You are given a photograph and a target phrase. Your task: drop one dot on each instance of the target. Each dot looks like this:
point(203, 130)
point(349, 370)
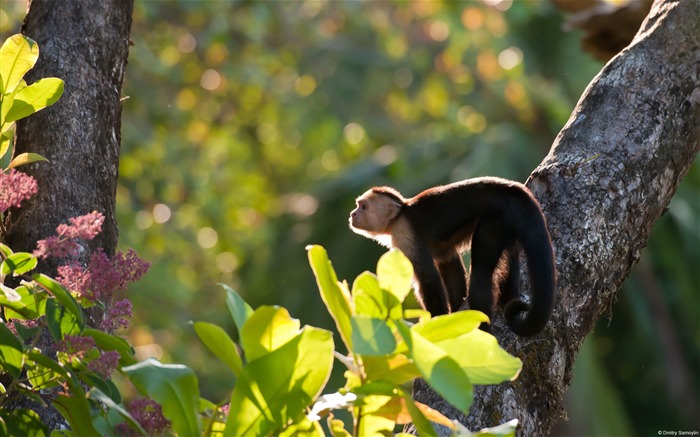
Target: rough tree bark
point(86, 44)
point(607, 179)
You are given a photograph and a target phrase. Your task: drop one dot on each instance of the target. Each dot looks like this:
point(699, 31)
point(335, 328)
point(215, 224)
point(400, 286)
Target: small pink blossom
point(15, 187)
point(63, 244)
point(149, 415)
point(117, 316)
point(103, 276)
point(76, 346)
point(105, 364)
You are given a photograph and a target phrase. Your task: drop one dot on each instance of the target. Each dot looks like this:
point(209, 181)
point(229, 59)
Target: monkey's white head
point(376, 210)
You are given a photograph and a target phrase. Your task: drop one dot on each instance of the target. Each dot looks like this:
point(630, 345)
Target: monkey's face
point(373, 214)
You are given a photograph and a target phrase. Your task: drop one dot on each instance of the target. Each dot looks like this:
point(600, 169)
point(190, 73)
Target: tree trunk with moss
point(86, 44)
point(608, 178)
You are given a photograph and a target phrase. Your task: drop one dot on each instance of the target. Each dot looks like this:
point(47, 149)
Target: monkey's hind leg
point(454, 276)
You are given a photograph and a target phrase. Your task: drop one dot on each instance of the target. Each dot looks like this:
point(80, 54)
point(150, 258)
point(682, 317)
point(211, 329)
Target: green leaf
point(18, 264)
point(42, 377)
point(450, 325)
point(397, 369)
point(22, 423)
point(42, 360)
point(106, 386)
point(220, 344)
point(174, 387)
point(11, 355)
point(29, 306)
point(334, 294)
point(61, 322)
point(481, 358)
point(274, 390)
point(76, 410)
point(439, 369)
point(6, 148)
point(37, 96)
point(371, 336)
point(96, 394)
point(395, 274)
point(369, 299)
point(17, 56)
point(108, 342)
point(503, 430)
point(239, 309)
point(422, 424)
point(266, 330)
point(60, 293)
point(26, 158)
point(5, 250)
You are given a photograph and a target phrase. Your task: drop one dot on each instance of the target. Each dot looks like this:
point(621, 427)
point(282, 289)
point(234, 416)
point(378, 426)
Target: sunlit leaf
point(26, 158)
point(21, 422)
point(37, 96)
point(61, 322)
point(220, 344)
point(60, 293)
point(174, 387)
point(17, 56)
point(266, 330)
point(276, 388)
point(11, 356)
point(239, 309)
point(334, 295)
point(108, 342)
point(18, 264)
point(371, 336)
point(395, 274)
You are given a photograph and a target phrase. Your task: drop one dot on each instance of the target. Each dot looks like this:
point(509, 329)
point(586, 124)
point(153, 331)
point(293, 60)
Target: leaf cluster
point(19, 100)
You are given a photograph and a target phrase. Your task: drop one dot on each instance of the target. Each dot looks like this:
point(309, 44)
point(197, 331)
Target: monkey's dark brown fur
point(496, 217)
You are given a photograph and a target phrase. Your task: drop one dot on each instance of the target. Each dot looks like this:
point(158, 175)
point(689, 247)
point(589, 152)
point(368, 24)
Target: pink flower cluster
point(63, 244)
point(76, 345)
point(149, 415)
point(102, 276)
point(106, 364)
point(15, 187)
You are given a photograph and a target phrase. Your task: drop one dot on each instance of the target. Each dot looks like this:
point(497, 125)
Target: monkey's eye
point(363, 207)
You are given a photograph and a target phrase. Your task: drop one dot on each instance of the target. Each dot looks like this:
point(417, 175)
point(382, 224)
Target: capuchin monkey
point(496, 217)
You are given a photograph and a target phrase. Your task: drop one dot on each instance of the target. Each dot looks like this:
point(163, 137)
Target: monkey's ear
point(394, 208)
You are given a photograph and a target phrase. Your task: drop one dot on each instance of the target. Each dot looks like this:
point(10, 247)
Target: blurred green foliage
point(251, 126)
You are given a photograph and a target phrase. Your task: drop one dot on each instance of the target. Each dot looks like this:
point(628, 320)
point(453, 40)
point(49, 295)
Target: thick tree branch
point(608, 178)
point(86, 44)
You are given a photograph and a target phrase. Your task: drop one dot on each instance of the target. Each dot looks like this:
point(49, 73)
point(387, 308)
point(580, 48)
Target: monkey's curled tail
point(527, 319)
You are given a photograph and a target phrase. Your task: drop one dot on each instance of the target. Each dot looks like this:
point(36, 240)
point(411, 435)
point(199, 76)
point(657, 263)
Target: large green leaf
point(60, 293)
point(481, 358)
point(108, 342)
point(439, 370)
point(220, 344)
point(266, 330)
point(395, 274)
point(29, 306)
point(334, 294)
point(26, 158)
point(60, 321)
point(373, 301)
point(371, 336)
point(397, 369)
point(18, 264)
point(37, 96)
point(174, 387)
point(22, 422)
point(76, 410)
point(239, 309)
point(450, 325)
point(10, 351)
point(17, 56)
point(275, 389)
point(99, 396)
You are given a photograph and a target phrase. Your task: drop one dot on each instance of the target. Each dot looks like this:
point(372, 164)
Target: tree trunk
point(85, 43)
point(608, 178)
